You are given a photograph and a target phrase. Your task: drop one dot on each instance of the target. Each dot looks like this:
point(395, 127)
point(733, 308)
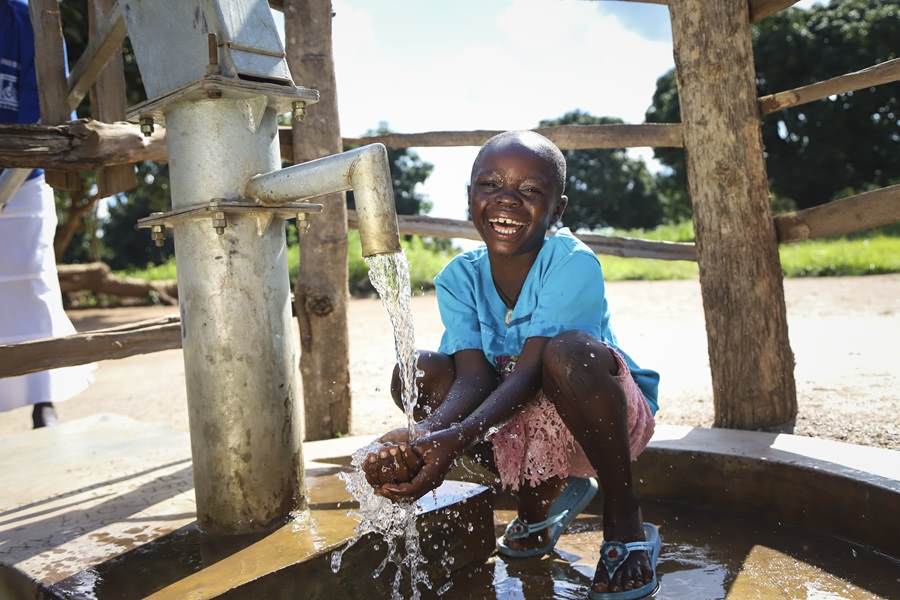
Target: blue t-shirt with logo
point(564, 291)
point(18, 81)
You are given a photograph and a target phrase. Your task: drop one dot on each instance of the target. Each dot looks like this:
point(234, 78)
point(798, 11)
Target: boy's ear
point(561, 205)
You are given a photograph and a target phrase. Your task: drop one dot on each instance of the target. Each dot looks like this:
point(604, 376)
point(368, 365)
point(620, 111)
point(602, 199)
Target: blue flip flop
point(614, 554)
point(570, 502)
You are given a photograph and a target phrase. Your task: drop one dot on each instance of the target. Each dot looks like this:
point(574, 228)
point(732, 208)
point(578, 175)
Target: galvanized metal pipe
point(240, 354)
point(364, 170)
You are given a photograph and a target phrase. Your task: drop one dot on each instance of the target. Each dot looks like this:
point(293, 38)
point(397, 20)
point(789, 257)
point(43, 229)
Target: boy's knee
point(576, 350)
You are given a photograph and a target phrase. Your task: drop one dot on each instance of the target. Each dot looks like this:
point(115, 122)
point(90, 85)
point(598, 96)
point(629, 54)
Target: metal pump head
point(364, 170)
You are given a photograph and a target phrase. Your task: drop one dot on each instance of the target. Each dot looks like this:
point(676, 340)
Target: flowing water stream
point(389, 274)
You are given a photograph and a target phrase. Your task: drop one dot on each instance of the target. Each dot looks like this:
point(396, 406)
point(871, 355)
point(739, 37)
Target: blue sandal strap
point(518, 529)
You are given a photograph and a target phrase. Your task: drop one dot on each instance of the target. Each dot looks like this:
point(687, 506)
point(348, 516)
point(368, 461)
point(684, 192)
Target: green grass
point(855, 255)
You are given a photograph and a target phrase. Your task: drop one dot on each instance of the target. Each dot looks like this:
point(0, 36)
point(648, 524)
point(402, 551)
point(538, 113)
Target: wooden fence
point(86, 144)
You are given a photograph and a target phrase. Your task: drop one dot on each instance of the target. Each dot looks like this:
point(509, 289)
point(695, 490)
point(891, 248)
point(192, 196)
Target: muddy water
point(704, 556)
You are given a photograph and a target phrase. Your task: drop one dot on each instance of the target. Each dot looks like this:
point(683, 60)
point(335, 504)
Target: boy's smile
point(514, 198)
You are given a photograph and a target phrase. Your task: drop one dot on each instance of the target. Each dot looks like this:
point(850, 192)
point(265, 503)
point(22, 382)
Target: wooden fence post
point(740, 274)
point(50, 66)
point(321, 291)
point(108, 104)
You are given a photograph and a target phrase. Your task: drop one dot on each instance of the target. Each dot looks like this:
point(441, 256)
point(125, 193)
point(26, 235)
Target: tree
point(606, 187)
point(829, 148)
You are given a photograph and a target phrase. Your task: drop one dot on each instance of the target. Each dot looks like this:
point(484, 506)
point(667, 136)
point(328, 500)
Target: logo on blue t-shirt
point(9, 98)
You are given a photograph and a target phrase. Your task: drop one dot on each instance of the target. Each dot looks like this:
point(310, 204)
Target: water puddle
point(705, 556)
point(395, 523)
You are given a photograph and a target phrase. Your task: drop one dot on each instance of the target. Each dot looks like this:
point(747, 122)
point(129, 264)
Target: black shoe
point(44, 415)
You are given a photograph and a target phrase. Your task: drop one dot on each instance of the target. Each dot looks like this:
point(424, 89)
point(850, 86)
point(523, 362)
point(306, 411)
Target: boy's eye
point(489, 184)
point(530, 189)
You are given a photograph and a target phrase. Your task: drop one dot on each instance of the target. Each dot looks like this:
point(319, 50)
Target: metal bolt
point(219, 222)
point(299, 110)
point(147, 126)
point(158, 235)
point(302, 223)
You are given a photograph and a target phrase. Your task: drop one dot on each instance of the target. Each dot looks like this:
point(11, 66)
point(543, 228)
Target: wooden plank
point(840, 217)
point(601, 244)
point(84, 348)
point(99, 279)
point(567, 137)
point(740, 274)
point(50, 66)
point(885, 72)
point(104, 46)
point(81, 144)
point(321, 292)
point(760, 9)
point(108, 96)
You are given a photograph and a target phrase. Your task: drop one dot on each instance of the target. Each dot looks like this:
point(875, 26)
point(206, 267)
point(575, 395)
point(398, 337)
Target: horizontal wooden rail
point(78, 145)
point(100, 50)
point(609, 245)
point(840, 217)
point(98, 278)
point(91, 346)
point(879, 74)
point(759, 9)
point(567, 137)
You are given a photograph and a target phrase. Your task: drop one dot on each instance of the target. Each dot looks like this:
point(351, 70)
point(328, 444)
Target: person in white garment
point(30, 299)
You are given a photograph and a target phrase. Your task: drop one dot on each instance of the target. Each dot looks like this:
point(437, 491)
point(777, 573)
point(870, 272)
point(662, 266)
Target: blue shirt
point(564, 291)
point(18, 80)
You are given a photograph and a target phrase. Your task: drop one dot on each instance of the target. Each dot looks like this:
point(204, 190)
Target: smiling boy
point(529, 360)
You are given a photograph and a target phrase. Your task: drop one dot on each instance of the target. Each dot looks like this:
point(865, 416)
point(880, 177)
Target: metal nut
point(219, 222)
point(147, 126)
point(158, 235)
point(302, 223)
point(298, 110)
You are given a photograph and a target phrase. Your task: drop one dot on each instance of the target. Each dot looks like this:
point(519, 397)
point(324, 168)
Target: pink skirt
point(535, 445)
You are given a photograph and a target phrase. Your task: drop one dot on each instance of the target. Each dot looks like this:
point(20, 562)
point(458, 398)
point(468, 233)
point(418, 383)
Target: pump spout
point(364, 170)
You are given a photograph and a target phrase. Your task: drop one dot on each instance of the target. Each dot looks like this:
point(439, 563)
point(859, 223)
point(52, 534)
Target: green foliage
point(127, 247)
point(865, 256)
point(826, 149)
point(606, 187)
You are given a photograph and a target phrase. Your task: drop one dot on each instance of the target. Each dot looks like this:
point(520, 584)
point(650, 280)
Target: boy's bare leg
point(439, 373)
point(534, 506)
point(594, 408)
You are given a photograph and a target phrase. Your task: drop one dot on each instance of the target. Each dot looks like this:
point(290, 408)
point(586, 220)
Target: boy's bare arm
point(475, 380)
point(517, 389)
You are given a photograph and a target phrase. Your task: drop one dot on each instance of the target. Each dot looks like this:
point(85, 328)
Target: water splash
point(393, 522)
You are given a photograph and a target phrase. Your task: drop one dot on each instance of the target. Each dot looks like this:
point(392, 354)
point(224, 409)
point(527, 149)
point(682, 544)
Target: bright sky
point(493, 64)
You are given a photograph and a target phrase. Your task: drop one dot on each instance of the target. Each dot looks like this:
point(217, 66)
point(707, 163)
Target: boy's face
point(514, 197)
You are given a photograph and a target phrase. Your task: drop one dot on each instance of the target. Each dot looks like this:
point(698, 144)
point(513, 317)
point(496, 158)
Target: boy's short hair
point(534, 142)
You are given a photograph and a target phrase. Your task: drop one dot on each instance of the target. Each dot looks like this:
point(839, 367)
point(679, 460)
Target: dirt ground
point(845, 334)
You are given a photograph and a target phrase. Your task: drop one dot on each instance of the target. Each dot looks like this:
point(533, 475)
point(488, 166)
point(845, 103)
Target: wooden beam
point(567, 137)
point(885, 72)
point(103, 46)
point(99, 279)
point(92, 346)
point(320, 292)
point(750, 357)
point(840, 217)
point(50, 66)
point(78, 145)
point(601, 244)
point(109, 102)
point(760, 9)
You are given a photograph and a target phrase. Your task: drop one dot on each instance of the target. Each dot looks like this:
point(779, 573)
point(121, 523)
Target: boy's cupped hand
point(435, 451)
point(391, 463)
